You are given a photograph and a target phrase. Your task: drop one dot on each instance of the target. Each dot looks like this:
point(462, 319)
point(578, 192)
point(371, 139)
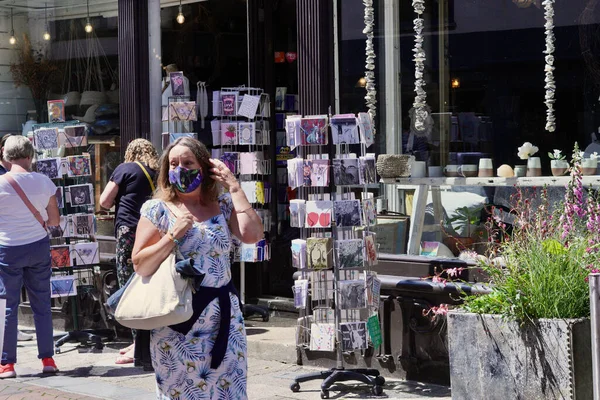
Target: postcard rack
point(336, 248)
point(74, 251)
point(241, 138)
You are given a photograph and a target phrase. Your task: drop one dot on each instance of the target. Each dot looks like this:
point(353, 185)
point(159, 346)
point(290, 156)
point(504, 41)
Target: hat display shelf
point(242, 138)
point(74, 250)
point(331, 255)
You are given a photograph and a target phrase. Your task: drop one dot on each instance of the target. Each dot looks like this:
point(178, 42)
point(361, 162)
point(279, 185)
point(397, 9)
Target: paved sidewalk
point(91, 374)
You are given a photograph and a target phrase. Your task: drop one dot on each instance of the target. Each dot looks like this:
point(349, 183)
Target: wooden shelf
point(593, 180)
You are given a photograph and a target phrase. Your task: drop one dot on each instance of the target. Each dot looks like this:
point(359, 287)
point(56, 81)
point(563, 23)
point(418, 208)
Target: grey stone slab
point(496, 358)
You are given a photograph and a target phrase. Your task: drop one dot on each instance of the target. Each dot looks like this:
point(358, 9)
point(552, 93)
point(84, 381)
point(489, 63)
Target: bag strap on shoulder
point(25, 200)
point(147, 175)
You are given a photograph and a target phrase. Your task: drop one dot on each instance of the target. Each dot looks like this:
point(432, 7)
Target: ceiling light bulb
point(88, 26)
point(12, 39)
point(180, 17)
point(46, 36)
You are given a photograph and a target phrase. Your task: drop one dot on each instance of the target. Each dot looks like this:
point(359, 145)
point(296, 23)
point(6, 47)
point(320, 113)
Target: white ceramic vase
point(559, 167)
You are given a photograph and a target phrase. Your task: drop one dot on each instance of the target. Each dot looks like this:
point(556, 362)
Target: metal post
point(594, 280)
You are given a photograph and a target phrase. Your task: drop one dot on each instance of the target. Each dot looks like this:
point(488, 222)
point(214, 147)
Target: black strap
point(201, 299)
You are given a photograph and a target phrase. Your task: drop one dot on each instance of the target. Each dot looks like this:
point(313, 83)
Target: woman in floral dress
point(205, 357)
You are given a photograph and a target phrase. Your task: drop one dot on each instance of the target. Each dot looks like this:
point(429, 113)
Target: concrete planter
point(494, 358)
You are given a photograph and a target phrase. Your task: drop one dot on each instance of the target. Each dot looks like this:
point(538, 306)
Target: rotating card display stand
point(335, 246)
point(241, 129)
point(74, 251)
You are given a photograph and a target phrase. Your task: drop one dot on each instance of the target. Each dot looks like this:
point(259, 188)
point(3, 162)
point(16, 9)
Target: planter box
point(494, 358)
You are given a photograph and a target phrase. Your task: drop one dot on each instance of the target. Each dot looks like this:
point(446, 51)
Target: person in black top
point(131, 184)
point(4, 165)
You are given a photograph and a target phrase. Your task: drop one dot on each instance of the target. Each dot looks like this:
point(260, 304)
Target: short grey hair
point(17, 148)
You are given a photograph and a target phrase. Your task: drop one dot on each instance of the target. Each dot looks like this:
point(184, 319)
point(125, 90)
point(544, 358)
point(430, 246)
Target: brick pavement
point(18, 390)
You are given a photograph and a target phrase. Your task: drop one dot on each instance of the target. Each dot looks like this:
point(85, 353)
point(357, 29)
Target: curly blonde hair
point(143, 151)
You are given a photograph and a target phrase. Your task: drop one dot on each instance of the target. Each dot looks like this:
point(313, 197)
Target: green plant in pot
point(532, 329)
point(464, 223)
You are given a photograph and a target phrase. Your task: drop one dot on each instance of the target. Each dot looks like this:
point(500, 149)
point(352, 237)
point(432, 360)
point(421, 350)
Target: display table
point(423, 185)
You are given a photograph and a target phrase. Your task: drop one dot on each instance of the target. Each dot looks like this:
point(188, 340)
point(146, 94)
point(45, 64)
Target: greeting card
point(177, 85)
point(321, 283)
point(231, 160)
point(345, 171)
point(373, 290)
point(60, 256)
point(280, 97)
point(252, 163)
point(319, 252)
point(303, 330)
point(247, 133)
point(51, 167)
point(56, 111)
point(85, 254)
point(174, 136)
point(215, 128)
point(63, 286)
point(367, 169)
point(323, 315)
point(300, 289)
point(229, 136)
point(249, 188)
point(249, 106)
point(73, 136)
point(320, 173)
point(293, 131)
point(318, 214)
point(352, 294)
point(45, 138)
point(299, 253)
point(313, 130)
point(369, 212)
point(365, 124)
point(260, 192)
point(344, 129)
point(297, 213)
point(370, 250)
point(307, 173)
point(354, 335)
point(80, 195)
point(229, 100)
point(350, 253)
point(217, 105)
point(347, 213)
point(295, 168)
point(322, 337)
point(79, 166)
point(374, 328)
point(59, 197)
point(83, 225)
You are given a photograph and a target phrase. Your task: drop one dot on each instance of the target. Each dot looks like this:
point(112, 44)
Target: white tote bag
point(162, 299)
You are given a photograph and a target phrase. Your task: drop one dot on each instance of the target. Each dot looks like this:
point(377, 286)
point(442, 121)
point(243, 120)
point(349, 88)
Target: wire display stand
point(340, 297)
point(74, 250)
point(241, 129)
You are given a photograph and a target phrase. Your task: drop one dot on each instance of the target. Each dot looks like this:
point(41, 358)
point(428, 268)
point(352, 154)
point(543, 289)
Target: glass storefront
point(484, 79)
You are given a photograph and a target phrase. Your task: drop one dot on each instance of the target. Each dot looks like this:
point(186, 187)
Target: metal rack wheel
point(324, 394)
point(295, 387)
point(377, 390)
point(380, 380)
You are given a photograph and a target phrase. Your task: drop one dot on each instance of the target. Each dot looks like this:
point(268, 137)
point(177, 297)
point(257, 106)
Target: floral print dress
point(182, 363)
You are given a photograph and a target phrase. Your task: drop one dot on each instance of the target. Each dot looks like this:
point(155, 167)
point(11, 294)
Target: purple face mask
point(185, 180)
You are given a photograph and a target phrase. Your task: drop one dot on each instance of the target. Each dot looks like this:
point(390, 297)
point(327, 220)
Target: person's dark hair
point(208, 189)
point(2, 141)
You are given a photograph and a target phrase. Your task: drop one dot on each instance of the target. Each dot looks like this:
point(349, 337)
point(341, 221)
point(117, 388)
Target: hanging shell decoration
point(371, 96)
point(549, 68)
point(420, 103)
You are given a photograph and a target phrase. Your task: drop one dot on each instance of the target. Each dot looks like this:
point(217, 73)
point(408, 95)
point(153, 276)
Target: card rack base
point(334, 375)
point(86, 337)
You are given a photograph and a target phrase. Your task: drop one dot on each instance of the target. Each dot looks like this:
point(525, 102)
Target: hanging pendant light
point(12, 39)
point(180, 17)
point(88, 26)
point(46, 33)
